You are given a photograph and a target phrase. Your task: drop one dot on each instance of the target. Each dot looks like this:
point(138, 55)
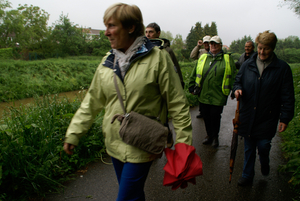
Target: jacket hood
point(166, 42)
point(143, 50)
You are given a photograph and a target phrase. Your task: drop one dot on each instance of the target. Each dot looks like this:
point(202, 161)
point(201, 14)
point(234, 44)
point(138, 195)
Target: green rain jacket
point(212, 93)
point(149, 84)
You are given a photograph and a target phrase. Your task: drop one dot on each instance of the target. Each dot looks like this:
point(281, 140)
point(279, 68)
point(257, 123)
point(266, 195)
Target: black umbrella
point(234, 141)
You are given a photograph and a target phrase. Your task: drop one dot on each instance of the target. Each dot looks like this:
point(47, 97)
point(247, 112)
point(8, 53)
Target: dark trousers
point(199, 108)
point(212, 119)
point(263, 147)
point(131, 178)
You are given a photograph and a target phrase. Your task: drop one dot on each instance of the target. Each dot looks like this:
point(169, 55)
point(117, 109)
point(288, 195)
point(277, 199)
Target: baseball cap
point(216, 39)
point(206, 39)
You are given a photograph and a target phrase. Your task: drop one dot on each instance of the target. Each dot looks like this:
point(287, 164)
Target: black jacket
point(265, 98)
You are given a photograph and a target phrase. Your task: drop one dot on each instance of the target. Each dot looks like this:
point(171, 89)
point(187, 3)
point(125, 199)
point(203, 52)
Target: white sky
point(234, 18)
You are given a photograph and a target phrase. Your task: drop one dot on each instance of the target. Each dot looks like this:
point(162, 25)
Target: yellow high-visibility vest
point(226, 78)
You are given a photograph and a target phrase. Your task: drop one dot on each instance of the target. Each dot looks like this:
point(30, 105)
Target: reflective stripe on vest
point(199, 70)
point(227, 75)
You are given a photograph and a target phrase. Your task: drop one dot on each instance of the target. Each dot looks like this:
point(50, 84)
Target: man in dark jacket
point(264, 86)
point(153, 32)
point(249, 50)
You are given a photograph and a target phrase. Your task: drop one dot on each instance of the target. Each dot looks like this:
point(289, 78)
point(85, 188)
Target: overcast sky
point(234, 18)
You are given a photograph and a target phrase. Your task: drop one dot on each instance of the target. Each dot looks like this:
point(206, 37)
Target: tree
point(34, 26)
point(293, 5)
point(10, 28)
point(69, 39)
point(213, 29)
point(238, 46)
point(177, 46)
point(26, 26)
point(197, 33)
point(5, 24)
point(206, 30)
point(100, 45)
point(167, 35)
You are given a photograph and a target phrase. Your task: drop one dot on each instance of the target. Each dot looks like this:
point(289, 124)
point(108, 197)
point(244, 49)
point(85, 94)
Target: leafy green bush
point(32, 159)
point(291, 143)
point(289, 55)
point(186, 69)
point(235, 56)
point(6, 53)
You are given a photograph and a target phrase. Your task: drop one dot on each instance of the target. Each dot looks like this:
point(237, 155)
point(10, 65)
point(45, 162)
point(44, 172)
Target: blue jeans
point(263, 147)
point(131, 178)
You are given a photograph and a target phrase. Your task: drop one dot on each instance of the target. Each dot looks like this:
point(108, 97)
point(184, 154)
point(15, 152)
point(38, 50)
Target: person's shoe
point(207, 140)
point(245, 182)
point(170, 140)
point(215, 142)
point(199, 116)
point(265, 170)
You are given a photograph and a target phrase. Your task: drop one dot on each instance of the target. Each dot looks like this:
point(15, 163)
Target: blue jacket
point(265, 99)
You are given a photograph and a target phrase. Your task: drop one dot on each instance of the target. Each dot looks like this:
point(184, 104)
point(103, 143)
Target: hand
point(238, 94)
point(200, 43)
point(282, 127)
point(68, 148)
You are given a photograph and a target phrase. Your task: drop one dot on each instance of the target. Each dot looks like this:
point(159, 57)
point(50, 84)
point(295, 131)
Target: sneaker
point(199, 116)
point(245, 182)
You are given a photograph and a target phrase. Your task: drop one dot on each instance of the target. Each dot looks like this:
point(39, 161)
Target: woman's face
point(118, 36)
point(264, 51)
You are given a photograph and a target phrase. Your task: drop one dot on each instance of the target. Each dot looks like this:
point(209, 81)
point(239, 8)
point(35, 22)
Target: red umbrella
point(182, 167)
point(234, 141)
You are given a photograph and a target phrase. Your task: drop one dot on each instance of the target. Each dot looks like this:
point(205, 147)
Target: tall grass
point(32, 160)
point(291, 137)
point(24, 79)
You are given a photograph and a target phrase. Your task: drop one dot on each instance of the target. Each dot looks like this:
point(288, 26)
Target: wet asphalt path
point(100, 183)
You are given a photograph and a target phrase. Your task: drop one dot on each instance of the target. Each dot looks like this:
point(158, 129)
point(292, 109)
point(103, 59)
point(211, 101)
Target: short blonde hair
point(128, 15)
point(267, 38)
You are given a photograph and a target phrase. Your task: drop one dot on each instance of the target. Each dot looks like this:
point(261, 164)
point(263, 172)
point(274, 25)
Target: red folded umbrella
point(182, 167)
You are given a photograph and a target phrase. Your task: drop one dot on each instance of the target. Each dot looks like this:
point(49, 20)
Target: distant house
point(225, 46)
point(91, 32)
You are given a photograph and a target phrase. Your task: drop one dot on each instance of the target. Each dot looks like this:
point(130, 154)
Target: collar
point(143, 50)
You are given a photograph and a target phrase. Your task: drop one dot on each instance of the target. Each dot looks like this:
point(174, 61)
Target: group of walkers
point(150, 83)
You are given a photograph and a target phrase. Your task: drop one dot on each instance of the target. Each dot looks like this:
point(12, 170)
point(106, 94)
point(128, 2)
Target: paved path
point(100, 183)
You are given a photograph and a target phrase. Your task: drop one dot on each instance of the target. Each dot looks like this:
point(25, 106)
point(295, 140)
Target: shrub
point(31, 145)
point(291, 136)
point(186, 69)
point(6, 53)
point(235, 56)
